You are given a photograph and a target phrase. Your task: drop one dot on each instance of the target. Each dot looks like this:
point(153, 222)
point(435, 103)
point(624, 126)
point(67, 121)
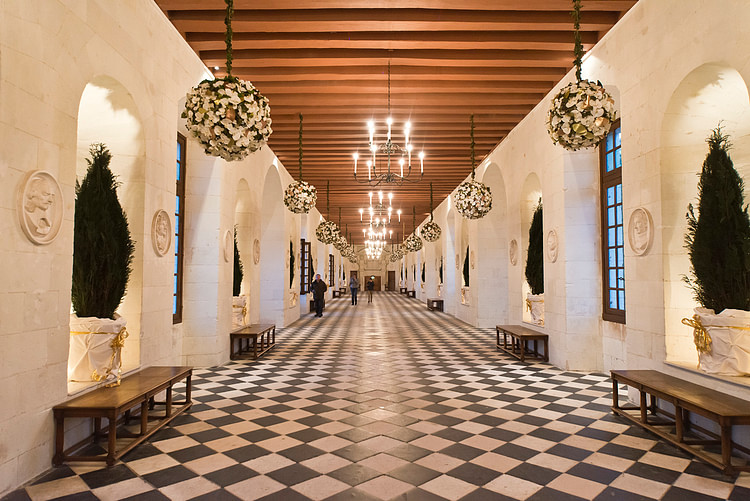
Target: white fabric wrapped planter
point(535, 304)
point(96, 349)
point(726, 348)
point(239, 311)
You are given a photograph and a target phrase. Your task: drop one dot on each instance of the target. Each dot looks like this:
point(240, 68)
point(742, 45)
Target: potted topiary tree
point(102, 258)
point(239, 302)
point(535, 267)
point(423, 277)
point(718, 243)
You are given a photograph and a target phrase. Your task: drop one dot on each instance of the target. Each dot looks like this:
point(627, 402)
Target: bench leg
point(679, 429)
point(644, 418)
point(615, 396)
point(726, 445)
point(255, 347)
point(188, 389)
point(144, 417)
point(58, 458)
point(112, 442)
point(169, 401)
point(522, 346)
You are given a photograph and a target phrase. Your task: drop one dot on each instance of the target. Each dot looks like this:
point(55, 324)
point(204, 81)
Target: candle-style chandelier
point(380, 215)
point(374, 242)
point(381, 171)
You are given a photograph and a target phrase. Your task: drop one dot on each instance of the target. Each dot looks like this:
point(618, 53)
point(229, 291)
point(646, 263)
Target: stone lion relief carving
point(40, 207)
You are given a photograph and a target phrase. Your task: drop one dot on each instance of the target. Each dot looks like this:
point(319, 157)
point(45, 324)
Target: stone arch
point(108, 113)
point(492, 255)
point(531, 193)
point(273, 250)
point(247, 224)
point(709, 94)
point(451, 248)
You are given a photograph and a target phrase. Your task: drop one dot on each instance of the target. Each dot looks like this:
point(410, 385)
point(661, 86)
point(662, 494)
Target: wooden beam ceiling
point(328, 59)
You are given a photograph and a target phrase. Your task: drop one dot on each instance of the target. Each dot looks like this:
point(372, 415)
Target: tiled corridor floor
point(390, 401)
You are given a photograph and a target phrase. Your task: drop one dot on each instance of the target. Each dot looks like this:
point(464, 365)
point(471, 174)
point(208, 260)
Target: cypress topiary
point(535, 255)
point(718, 238)
point(441, 269)
point(102, 247)
point(466, 268)
point(422, 272)
point(238, 270)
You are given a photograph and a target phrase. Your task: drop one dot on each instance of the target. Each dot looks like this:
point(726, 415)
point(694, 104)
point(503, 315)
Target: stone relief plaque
point(552, 246)
point(161, 232)
point(228, 245)
point(40, 207)
point(256, 251)
point(513, 252)
point(640, 231)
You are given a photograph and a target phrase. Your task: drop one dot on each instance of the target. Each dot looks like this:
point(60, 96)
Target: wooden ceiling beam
point(401, 86)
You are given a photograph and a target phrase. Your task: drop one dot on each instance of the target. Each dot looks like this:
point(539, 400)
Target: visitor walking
point(319, 289)
point(354, 286)
point(370, 288)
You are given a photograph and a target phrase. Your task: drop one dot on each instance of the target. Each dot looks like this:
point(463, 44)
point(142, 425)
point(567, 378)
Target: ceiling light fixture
point(379, 172)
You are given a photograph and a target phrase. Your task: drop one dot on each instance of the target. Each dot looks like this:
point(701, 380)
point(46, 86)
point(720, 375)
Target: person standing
point(354, 287)
point(319, 289)
point(370, 288)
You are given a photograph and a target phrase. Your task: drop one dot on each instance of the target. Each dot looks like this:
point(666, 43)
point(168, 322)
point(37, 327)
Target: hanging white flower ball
point(340, 243)
point(430, 231)
point(327, 232)
point(413, 243)
point(473, 199)
point(300, 197)
point(229, 117)
point(581, 115)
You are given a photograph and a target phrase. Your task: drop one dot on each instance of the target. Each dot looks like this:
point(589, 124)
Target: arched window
point(613, 234)
point(179, 229)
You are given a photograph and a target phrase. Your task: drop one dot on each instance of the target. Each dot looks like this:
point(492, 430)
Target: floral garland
point(327, 232)
point(413, 243)
point(228, 116)
point(581, 115)
point(397, 254)
point(430, 231)
point(300, 197)
point(473, 199)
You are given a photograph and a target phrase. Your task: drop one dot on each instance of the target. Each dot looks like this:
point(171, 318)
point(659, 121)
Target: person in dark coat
point(370, 288)
point(319, 289)
point(354, 286)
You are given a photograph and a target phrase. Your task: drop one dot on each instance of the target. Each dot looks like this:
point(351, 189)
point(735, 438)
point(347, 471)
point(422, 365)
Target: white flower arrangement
point(430, 231)
point(397, 253)
point(340, 243)
point(327, 232)
point(581, 115)
point(300, 197)
point(413, 243)
point(473, 199)
point(228, 116)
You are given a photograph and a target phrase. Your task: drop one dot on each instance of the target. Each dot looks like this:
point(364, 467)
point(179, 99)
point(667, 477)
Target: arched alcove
point(710, 94)
point(107, 113)
point(531, 194)
point(247, 224)
point(492, 255)
point(273, 250)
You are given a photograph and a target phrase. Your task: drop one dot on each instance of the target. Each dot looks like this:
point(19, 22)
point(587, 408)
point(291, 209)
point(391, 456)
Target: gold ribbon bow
point(528, 305)
point(117, 343)
point(701, 338)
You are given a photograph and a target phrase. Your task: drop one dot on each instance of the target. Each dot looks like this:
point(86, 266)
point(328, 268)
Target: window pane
point(611, 216)
point(620, 241)
point(176, 244)
point(610, 237)
point(174, 305)
point(619, 214)
point(621, 277)
point(618, 139)
point(613, 299)
point(612, 278)
point(618, 191)
point(177, 205)
point(175, 283)
point(175, 266)
point(610, 196)
point(618, 158)
point(622, 300)
point(612, 258)
point(610, 162)
point(620, 256)
point(609, 142)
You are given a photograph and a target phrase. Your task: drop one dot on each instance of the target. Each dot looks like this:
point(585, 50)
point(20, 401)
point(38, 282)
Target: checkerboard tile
point(390, 401)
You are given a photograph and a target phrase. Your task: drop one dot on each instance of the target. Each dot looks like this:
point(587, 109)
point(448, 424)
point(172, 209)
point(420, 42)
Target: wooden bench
point(136, 392)
point(725, 410)
point(402, 290)
point(520, 337)
point(411, 293)
point(336, 293)
point(435, 303)
point(266, 333)
point(343, 290)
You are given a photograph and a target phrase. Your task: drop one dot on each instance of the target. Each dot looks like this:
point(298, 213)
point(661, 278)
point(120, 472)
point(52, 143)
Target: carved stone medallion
point(40, 207)
point(640, 231)
point(552, 246)
point(256, 251)
point(228, 245)
point(513, 252)
point(161, 232)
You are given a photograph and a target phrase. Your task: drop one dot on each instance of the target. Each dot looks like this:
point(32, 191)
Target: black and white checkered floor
point(390, 401)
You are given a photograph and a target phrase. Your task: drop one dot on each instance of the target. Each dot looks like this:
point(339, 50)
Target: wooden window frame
point(179, 230)
point(608, 180)
point(331, 270)
point(305, 266)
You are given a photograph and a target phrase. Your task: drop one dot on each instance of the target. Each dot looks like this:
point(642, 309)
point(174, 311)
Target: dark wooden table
point(685, 397)
point(265, 333)
point(136, 391)
point(411, 293)
point(435, 303)
point(520, 337)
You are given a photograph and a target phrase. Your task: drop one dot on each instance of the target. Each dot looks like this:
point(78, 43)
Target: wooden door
point(391, 280)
